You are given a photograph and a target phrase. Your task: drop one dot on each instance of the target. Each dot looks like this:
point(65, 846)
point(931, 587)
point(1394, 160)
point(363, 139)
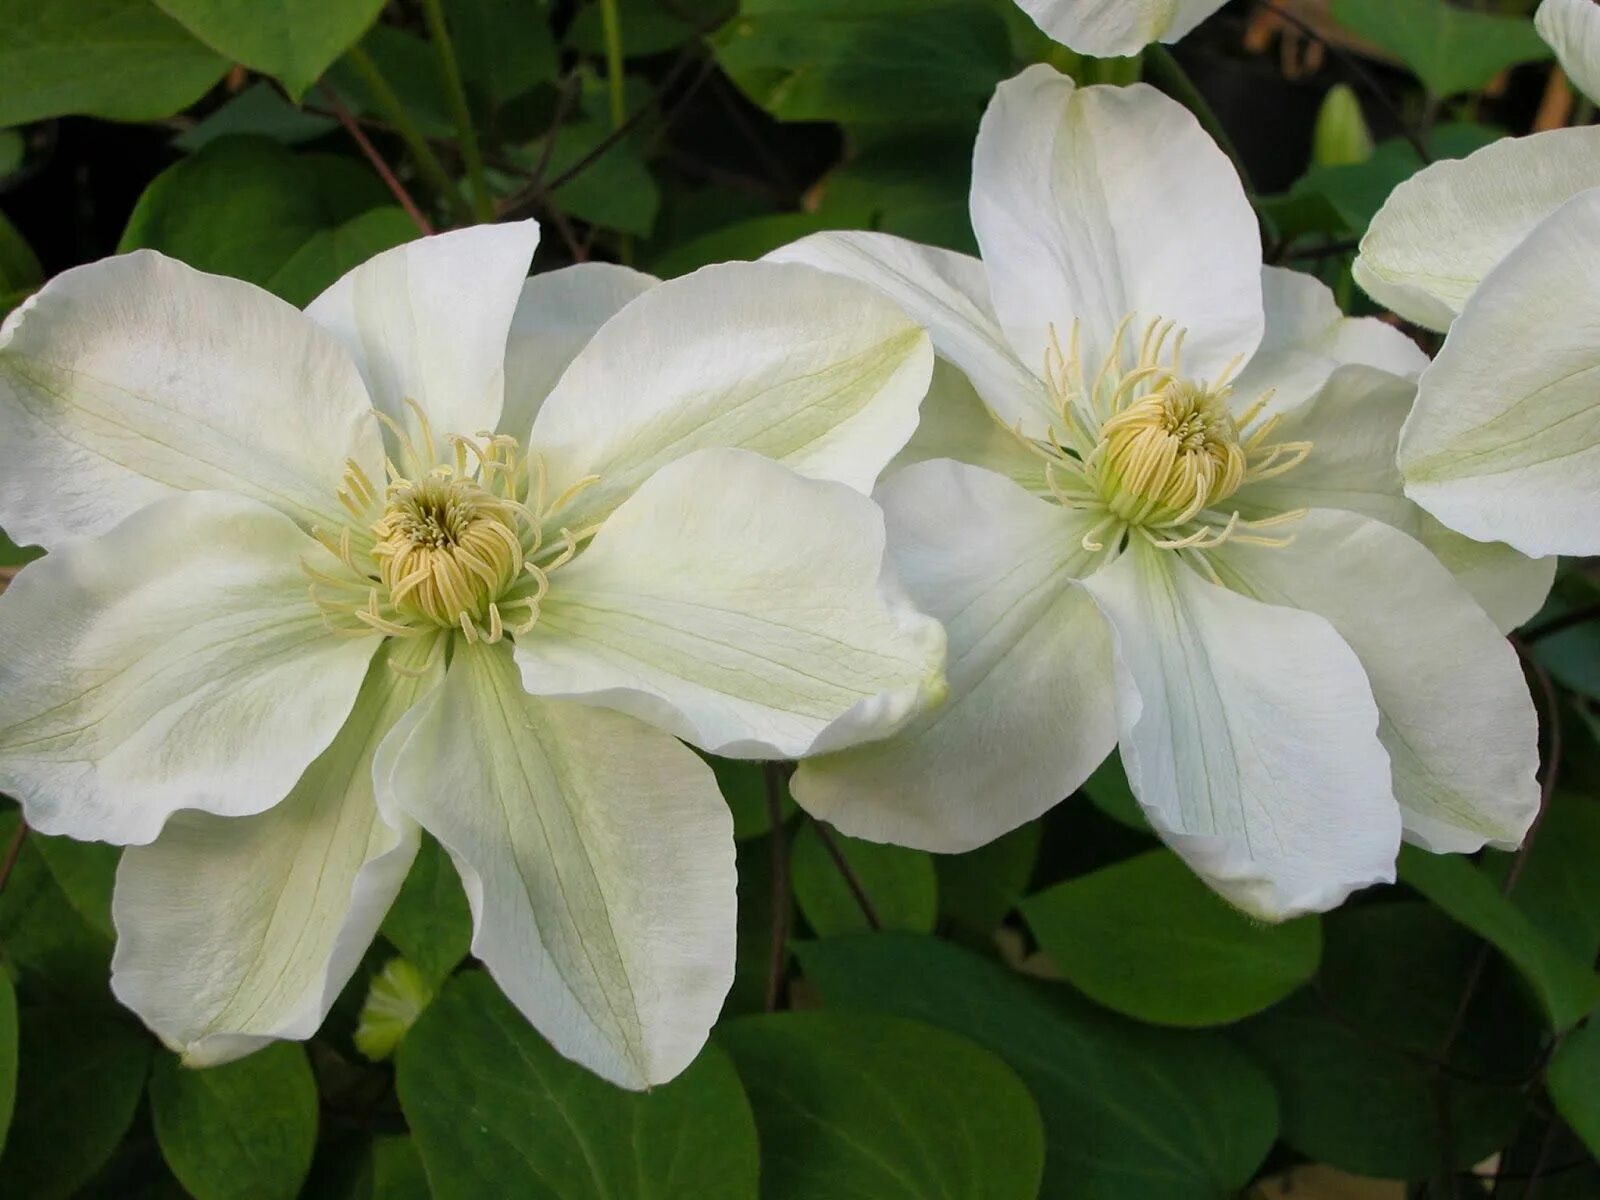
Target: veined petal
point(234, 931)
point(741, 607)
point(1439, 233)
point(1096, 204)
point(597, 856)
point(1308, 338)
point(1353, 425)
point(557, 315)
point(1572, 28)
point(1249, 734)
point(137, 377)
point(1503, 443)
point(427, 321)
point(1454, 710)
point(807, 368)
point(957, 424)
point(176, 662)
point(1115, 28)
point(1032, 708)
point(948, 293)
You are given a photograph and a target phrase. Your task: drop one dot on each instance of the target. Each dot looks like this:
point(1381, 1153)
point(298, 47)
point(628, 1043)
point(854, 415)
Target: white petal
point(176, 662)
point(136, 377)
point(1572, 27)
point(948, 293)
point(1507, 584)
point(1249, 734)
point(1116, 28)
point(557, 315)
point(1308, 338)
point(808, 368)
point(597, 856)
point(1441, 231)
point(427, 321)
point(1093, 204)
point(742, 607)
point(1455, 714)
point(1504, 441)
point(1032, 708)
point(234, 931)
point(957, 424)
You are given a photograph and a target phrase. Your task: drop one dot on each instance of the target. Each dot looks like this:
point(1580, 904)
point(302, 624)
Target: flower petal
point(1439, 233)
point(597, 856)
point(428, 320)
point(1249, 734)
point(557, 315)
point(957, 424)
point(1454, 710)
point(1353, 425)
point(136, 377)
point(1117, 28)
point(811, 369)
point(1572, 28)
point(1032, 708)
point(1504, 441)
point(1307, 338)
point(1094, 204)
point(177, 662)
point(741, 607)
point(948, 293)
point(234, 931)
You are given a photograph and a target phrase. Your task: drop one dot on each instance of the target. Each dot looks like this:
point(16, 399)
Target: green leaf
point(241, 1131)
point(248, 207)
point(259, 109)
point(495, 1111)
point(1130, 1112)
point(504, 47)
point(977, 889)
point(59, 951)
point(866, 60)
point(614, 190)
point(741, 241)
point(120, 59)
point(899, 884)
point(1574, 1083)
point(1450, 48)
point(80, 1073)
point(1108, 789)
point(913, 186)
point(429, 921)
point(85, 872)
point(397, 1172)
point(12, 151)
point(294, 41)
point(1566, 987)
point(20, 272)
point(410, 67)
point(1556, 886)
point(1147, 938)
point(863, 1105)
point(8, 1054)
point(648, 26)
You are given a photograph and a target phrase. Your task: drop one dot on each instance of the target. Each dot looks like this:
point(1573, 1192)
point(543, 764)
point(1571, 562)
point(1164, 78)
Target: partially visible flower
point(1112, 28)
point(1501, 249)
point(1183, 531)
point(396, 997)
point(457, 549)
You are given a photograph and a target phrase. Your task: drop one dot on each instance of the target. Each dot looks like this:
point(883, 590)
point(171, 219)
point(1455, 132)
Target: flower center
point(1156, 453)
point(455, 541)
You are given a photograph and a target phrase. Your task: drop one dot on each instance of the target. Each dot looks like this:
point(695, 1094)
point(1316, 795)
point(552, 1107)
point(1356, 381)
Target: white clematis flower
point(1504, 443)
point(1111, 28)
point(268, 644)
point(1188, 537)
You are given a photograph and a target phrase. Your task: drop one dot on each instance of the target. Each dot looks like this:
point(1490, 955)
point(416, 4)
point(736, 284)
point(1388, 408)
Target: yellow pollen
point(446, 548)
point(1170, 455)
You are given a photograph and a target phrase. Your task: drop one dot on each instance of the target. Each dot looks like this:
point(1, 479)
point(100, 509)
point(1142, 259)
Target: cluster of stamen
point(1156, 454)
point(452, 542)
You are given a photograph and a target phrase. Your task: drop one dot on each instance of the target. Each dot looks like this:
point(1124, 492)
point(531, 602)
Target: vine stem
point(772, 777)
point(460, 109)
point(13, 851)
point(395, 112)
point(851, 879)
point(611, 21)
point(390, 180)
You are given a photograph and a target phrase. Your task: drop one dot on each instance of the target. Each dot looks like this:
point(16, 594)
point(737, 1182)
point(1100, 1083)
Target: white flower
point(1501, 249)
point(1109, 28)
point(261, 656)
point(1190, 538)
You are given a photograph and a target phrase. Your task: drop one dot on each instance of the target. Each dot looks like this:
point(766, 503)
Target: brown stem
point(342, 115)
point(851, 879)
point(772, 776)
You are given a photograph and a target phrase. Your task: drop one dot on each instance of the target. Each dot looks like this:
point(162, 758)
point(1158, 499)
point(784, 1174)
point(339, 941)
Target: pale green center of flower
point(1155, 453)
point(454, 541)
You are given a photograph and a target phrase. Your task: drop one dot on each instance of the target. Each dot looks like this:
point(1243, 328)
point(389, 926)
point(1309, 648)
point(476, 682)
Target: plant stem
point(460, 110)
point(13, 850)
point(611, 20)
point(342, 114)
point(848, 874)
point(395, 113)
point(772, 776)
